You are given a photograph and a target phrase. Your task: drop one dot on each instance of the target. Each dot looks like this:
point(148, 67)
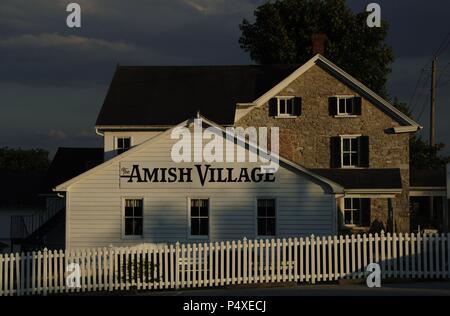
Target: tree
point(23, 160)
point(281, 34)
point(22, 173)
point(422, 155)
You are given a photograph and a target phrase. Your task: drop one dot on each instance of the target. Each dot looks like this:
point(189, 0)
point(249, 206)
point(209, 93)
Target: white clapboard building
point(143, 196)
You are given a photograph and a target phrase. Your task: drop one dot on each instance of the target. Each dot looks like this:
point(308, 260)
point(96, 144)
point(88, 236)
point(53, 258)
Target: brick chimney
point(318, 43)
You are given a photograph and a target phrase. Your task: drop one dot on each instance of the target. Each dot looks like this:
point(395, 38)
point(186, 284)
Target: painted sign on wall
point(132, 174)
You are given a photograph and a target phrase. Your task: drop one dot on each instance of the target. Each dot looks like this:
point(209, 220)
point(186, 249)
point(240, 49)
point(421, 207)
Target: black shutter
point(297, 110)
point(273, 107)
point(364, 151)
point(365, 213)
point(332, 106)
point(357, 105)
point(335, 152)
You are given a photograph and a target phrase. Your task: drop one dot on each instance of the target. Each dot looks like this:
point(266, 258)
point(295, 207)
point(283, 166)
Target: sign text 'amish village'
point(205, 173)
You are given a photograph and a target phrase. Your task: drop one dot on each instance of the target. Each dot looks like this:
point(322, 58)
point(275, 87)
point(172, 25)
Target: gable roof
point(166, 95)
point(352, 82)
point(162, 96)
point(64, 186)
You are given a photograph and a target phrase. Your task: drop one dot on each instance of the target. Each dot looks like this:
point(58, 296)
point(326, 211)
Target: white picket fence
point(311, 260)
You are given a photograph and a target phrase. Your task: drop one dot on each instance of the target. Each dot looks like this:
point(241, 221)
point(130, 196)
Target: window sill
point(132, 237)
point(286, 117)
point(346, 116)
point(356, 227)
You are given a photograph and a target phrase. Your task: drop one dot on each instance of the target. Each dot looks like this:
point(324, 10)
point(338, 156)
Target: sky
point(53, 79)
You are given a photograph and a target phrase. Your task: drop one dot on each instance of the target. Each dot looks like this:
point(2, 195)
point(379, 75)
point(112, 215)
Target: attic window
point(123, 144)
point(285, 106)
point(345, 106)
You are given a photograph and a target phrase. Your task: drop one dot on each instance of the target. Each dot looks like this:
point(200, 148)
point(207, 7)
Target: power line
point(443, 72)
point(424, 106)
point(417, 101)
point(445, 83)
point(415, 90)
point(443, 46)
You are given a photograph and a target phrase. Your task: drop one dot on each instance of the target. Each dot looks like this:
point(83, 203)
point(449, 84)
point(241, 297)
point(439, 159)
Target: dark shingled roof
point(427, 178)
point(71, 162)
point(167, 95)
point(363, 178)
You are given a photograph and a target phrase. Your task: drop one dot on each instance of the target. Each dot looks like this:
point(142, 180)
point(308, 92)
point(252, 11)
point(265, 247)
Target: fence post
point(1, 274)
point(177, 265)
point(19, 273)
point(407, 257)
point(111, 269)
point(313, 259)
point(45, 277)
point(383, 254)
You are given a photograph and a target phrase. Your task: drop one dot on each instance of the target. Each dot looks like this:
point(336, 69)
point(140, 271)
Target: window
point(266, 219)
point(199, 214)
point(356, 212)
point(285, 106)
point(345, 106)
point(133, 217)
point(350, 151)
point(352, 211)
point(123, 144)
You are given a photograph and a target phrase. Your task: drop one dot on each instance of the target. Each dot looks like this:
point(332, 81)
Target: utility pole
point(432, 123)
point(433, 105)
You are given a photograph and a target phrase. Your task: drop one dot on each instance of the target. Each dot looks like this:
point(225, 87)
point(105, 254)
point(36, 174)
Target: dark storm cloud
point(53, 79)
point(38, 48)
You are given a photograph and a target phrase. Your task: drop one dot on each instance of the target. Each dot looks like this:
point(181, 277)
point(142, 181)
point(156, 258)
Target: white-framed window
point(266, 217)
point(286, 106)
point(352, 211)
point(199, 217)
point(122, 144)
point(345, 105)
point(350, 151)
point(133, 217)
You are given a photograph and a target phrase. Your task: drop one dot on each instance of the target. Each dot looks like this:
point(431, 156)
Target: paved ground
point(397, 289)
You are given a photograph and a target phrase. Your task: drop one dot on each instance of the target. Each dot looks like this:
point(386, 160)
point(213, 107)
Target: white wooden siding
point(304, 206)
point(137, 137)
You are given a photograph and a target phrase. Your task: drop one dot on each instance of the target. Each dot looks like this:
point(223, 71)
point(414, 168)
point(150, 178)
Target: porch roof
point(427, 178)
point(371, 179)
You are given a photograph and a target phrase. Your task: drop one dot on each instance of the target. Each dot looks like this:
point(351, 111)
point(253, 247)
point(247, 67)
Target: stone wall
point(306, 139)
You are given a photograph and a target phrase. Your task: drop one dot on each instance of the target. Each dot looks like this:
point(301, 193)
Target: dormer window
point(285, 106)
point(345, 106)
point(123, 144)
